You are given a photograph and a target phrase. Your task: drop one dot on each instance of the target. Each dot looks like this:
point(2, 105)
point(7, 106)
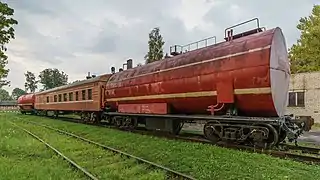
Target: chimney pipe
point(129, 63)
point(88, 77)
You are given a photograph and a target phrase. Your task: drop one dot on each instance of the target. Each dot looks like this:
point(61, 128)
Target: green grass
point(198, 160)
point(23, 157)
point(102, 163)
point(316, 126)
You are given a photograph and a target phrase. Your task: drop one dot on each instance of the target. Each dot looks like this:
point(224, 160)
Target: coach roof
point(86, 81)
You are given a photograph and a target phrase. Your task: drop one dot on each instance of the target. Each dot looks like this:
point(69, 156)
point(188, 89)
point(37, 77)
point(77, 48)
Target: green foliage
point(305, 55)
point(31, 82)
point(17, 92)
point(75, 81)
point(4, 95)
point(6, 34)
point(51, 78)
point(156, 43)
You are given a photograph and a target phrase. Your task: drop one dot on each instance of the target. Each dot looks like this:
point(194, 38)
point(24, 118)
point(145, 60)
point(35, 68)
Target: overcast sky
point(81, 36)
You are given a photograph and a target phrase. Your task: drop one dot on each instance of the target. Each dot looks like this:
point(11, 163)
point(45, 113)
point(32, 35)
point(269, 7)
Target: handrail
point(197, 42)
point(245, 22)
point(179, 48)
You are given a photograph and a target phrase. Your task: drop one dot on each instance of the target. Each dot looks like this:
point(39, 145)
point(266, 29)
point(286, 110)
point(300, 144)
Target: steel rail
point(74, 164)
point(176, 173)
point(304, 149)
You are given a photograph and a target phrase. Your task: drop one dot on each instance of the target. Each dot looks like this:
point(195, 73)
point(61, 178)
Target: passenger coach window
point(60, 97)
point(77, 96)
point(83, 94)
point(65, 97)
point(47, 99)
point(55, 98)
point(89, 94)
point(71, 96)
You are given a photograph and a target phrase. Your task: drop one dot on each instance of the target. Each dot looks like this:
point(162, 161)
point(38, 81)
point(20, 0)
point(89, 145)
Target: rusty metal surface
point(250, 70)
point(152, 108)
point(26, 99)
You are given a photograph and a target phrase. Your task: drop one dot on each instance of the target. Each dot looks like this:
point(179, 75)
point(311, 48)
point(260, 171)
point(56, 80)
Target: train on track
point(238, 87)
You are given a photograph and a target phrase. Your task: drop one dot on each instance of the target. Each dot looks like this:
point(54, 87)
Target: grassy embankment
point(101, 163)
point(198, 160)
point(23, 157)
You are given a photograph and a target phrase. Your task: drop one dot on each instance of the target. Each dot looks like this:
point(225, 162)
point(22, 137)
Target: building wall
point(304, 95)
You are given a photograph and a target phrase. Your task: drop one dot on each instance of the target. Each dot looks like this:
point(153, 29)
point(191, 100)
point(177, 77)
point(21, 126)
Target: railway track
point(72, 163)
point(313, 156)
point(171, 174)
point(303, 149)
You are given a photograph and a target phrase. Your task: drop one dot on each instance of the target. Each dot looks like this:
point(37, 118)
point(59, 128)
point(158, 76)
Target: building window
point(47, 99)
point(71, 96)
point(296, 99)
point(89, 94)
point(60, 97)
point(83, 94)
point(77, 96)
point(55, 98)
point(65, 98)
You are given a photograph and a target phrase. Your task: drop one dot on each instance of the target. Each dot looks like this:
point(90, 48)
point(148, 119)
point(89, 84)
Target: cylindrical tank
point(252, 72)
point(27, 99)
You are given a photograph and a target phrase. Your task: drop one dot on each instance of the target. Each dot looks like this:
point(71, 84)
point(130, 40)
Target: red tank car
point(239, 88)
point(250, 73)
point(26, 103)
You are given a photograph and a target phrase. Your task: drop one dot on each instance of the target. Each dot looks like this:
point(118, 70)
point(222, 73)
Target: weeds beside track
point(24, 158)
point(203, 161)
point(170, 174)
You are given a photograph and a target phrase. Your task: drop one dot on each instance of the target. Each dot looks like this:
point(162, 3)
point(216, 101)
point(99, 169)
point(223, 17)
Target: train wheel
point(93, 117)
point(129, 123)
point(82, 116)
point(118, 121)
point(211, 131)
point(273, 136)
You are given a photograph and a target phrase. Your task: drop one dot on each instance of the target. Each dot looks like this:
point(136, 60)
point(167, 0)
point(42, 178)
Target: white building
point(304, 95)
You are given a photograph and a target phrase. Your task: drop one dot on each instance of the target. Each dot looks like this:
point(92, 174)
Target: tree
point(6, 34)
point(31, 82)
point(156, 43)
point(51, 78)
point(4, 95)
point(74, 81)
point(17, 92)
point(305, 54)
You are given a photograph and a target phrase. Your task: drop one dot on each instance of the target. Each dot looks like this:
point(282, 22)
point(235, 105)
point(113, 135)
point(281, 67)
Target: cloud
point(95, 35)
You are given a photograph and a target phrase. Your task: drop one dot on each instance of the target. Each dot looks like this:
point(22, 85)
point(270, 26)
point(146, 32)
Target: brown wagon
point(84, 97)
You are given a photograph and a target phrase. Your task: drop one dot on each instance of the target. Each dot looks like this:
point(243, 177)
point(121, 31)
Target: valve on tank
point(113, 70)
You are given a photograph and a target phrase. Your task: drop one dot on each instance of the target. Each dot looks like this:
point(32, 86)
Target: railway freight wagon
point(26, 103)
point(239, 87)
